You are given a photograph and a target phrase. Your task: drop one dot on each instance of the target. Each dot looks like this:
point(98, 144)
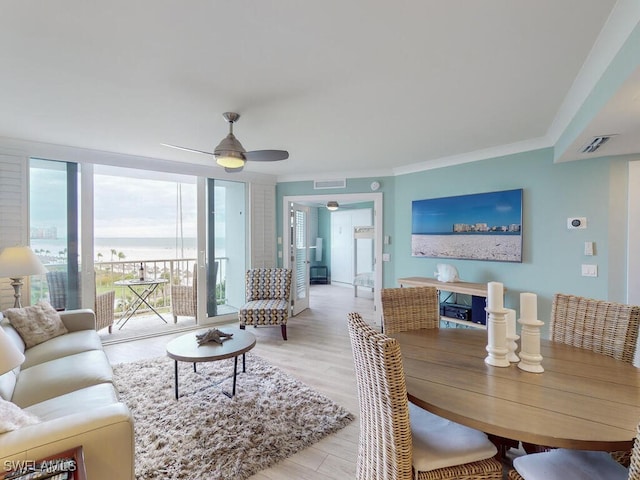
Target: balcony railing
point(175, 271)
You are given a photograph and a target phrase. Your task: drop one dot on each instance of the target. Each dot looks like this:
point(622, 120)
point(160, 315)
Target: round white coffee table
point(186, 349)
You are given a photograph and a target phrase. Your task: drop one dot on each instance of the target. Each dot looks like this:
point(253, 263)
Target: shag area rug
point(205, 434)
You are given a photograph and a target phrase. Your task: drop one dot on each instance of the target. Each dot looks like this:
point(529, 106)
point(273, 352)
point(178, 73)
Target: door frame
point(375, 197)
point(299, 304)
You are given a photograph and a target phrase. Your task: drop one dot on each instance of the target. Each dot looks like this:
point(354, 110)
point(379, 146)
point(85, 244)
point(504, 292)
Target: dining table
point(582, 400)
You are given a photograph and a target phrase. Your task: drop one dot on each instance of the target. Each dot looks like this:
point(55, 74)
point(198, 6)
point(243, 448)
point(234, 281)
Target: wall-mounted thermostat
point(576, 222)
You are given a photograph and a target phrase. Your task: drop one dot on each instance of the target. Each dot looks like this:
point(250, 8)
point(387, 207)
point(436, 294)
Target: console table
point(478, 292)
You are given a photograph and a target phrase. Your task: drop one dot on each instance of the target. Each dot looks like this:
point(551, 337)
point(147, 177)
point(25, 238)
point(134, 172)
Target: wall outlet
point(589, 270)
point(386, 257)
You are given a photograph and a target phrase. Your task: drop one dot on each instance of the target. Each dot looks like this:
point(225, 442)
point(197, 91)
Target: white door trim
point(376, 198)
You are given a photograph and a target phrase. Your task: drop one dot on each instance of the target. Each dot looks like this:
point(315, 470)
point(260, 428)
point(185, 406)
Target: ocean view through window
point(142, 221)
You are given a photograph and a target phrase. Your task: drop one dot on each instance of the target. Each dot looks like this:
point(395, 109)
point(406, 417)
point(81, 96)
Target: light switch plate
point(588, 248)
point(589, 270)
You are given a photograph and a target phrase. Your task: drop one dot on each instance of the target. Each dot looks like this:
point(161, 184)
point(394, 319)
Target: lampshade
point(230, 152)
point(18, 262)
point(332, 205)
point(230, 160)
point(10, 356)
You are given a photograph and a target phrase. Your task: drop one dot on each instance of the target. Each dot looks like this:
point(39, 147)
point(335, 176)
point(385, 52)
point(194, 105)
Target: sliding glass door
point(183, 232)
point(225, 240)
point(54, 231)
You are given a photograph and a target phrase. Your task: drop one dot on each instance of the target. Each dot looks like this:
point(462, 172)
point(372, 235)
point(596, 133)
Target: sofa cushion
point(82, 400)
point(62, 346)
point(13, 417)
point(60, 376)
point(8, 380)
point(13, 334)
point(37, 323)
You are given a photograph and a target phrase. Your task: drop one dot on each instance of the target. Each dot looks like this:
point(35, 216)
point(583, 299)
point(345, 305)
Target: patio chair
point(104, 302)
point(562, 464)
point(410, 308)
point(268, 298)
point(57, 283)
point(183, 298)
point(399, 440)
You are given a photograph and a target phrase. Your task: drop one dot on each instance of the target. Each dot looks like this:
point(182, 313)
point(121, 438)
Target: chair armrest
point(81, 319)
point(105, 309)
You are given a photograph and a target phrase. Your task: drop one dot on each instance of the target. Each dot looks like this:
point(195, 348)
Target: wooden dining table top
point(582, 400)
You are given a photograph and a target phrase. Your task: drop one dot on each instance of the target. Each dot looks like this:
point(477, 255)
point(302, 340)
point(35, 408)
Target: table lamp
point(16, 263)
point(10, 356)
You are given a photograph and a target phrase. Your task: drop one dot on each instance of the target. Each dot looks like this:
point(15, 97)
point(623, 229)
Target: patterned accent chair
point(268, 298)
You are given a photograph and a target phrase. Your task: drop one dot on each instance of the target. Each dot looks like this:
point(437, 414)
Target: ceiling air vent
point(323, 184)
point(595, 144)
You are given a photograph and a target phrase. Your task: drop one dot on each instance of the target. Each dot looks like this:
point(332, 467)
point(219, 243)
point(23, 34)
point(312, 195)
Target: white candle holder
point(530, 358)
point(497, 338)
point(512, 337)
point(512, 346)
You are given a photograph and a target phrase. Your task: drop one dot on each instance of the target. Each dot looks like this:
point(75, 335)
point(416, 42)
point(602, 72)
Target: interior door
point(299, 249)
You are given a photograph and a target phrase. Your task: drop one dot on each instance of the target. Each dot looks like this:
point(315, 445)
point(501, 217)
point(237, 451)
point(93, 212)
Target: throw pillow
point(13, 417)
point(37, 323)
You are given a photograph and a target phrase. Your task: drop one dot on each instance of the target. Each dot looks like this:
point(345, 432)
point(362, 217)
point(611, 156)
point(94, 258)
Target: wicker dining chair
point(410, 308)
point(603, 327)
point(399, 441)
point(563, 464)
point(268, 301)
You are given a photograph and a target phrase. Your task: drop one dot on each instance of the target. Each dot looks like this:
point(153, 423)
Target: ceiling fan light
point(332, 205)
point(230, 160)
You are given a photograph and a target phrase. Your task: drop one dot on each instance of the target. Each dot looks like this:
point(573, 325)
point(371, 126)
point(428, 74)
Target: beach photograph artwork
point(482, 226)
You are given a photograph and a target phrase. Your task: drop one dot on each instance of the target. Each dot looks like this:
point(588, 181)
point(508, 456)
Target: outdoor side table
point(141, 296)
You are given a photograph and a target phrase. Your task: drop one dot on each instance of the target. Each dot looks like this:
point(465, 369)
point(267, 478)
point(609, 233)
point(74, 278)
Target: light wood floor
point(318, 353)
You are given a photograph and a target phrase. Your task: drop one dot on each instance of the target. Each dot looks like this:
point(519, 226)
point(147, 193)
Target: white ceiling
point(347, 87)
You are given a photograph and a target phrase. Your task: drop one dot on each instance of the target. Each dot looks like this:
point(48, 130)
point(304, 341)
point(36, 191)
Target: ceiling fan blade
point(266, 155)
point(233, 170)
point(187, 149)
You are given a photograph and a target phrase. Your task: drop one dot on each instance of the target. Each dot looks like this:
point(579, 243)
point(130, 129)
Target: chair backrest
point(634, 466)
point(385, 449)
point(57, 283)
point(268, 283)
point(603, 327)
point(409, 308)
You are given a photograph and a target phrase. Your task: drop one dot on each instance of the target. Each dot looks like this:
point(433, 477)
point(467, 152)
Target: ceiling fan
point(230, 153)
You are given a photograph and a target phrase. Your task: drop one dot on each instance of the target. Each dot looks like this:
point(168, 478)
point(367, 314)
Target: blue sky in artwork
point(437, 215)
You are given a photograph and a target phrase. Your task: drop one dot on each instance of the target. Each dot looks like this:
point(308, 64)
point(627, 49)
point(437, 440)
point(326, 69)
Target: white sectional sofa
point(66, 382)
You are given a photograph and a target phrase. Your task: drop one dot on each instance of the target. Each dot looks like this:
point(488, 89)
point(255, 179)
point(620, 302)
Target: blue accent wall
point(552, 254)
